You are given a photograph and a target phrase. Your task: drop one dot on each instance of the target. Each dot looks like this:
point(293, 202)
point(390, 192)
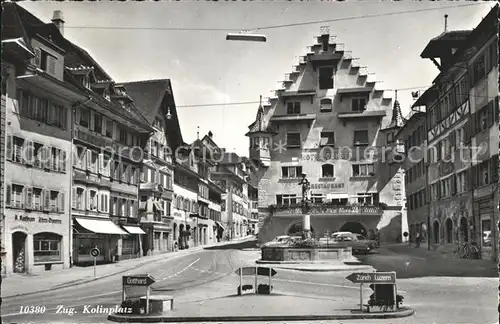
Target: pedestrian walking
point(417, 240)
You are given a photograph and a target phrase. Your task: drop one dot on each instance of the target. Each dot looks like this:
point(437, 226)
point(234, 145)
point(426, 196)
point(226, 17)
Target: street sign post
point(372, 278)
point(142, 280)
point(95, 253)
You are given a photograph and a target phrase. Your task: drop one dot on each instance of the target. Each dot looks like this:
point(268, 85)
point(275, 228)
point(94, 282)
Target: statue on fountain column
point(306, 196)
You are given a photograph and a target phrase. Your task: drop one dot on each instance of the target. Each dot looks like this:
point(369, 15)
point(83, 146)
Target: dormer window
point(325, 105)
point(293, 108)
point(45, 61)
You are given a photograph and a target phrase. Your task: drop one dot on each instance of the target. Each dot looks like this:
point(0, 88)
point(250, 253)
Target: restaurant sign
point(326, 185)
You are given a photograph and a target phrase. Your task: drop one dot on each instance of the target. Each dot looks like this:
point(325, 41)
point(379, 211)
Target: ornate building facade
point(328, 122)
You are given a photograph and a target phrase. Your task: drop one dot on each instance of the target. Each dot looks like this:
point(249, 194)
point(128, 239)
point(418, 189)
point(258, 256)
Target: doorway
point(464, 232)
point(449, 230)
point(353, 227)
point(435, 232)
point(19, 252)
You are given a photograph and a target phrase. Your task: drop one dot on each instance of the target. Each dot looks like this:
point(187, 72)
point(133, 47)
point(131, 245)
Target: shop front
point(96, 233)
point(158, 237)
point(35, 242)
point(484, 209)
point(132, 243)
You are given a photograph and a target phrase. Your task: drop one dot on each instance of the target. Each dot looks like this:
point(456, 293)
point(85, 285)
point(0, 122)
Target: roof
point(449, 39)
point(414, 118)
point(148, 95)
point(12, 26)
point(397, 119)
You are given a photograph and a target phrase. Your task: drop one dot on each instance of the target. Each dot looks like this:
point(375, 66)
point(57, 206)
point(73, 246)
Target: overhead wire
point(278, 26)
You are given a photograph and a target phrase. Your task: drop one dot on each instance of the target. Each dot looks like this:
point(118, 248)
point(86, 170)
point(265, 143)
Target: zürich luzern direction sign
point(372, 277)
point(138, 280)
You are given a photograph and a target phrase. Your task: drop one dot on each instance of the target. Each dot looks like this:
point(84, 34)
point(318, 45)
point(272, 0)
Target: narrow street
point(210, 274)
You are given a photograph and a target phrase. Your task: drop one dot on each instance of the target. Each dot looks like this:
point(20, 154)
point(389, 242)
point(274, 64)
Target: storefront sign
point(326, 185)
point(40, 219)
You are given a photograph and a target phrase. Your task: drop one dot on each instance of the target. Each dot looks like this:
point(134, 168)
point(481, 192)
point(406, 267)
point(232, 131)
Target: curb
point(168, 255)
point(102, 277)
point(358, 268)
point(354, 315)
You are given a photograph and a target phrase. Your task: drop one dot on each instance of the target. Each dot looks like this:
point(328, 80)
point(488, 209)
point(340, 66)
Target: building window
point(46, 247)
point(291, 172)
point(327, 171)
point(84, 117)
point(446, 187)
point(326, 78)
point(461, 182)
point(293, 140)
point(80, 199)
point(362, 170)
point(317, 198)
point(358, 104)
point(478, 68)
point(97, 123)
point(92, 200)
point(325, 105)
point(361, 138)
point(123, 137)
point(484, 177)
point(327, 139)
point(45, 61)
point(109, 128)
point(286, 199)
point(293, 108)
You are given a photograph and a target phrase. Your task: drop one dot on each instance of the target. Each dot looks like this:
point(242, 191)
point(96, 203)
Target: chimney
point(58, 20)
point(210, 134)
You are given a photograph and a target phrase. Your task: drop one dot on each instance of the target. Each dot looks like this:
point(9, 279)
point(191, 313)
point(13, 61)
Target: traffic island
point(260, 308)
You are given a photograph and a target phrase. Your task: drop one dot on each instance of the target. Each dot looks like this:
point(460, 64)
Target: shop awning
point(337, 196)
point(134, 230)
point(100, 226)
point(220, 225)
point(158, 206)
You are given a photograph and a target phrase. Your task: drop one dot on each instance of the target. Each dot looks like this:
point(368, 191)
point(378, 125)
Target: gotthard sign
point(138, 280)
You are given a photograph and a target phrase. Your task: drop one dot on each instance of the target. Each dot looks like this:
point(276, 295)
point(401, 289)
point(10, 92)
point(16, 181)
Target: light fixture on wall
point(169, 114)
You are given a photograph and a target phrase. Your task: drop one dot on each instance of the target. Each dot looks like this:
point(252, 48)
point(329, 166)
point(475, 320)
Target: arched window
point(325, 105)
point(449, 231)
point(435, 232)
point(327, 171)
point(47, 247)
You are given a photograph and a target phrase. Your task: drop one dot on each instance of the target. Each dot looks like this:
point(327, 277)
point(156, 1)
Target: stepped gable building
point(461, 130)
point(154, 99)
point(328, 122)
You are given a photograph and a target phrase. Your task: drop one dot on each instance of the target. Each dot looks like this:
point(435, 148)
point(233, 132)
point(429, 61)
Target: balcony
point(89, 137)
point(295, 117)
point(327, 210)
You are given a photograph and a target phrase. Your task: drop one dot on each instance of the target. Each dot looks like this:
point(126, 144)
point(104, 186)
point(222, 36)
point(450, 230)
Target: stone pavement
point(23, 284)
point(275, 307)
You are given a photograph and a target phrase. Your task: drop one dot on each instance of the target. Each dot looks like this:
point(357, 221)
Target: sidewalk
point(275, 307)
point(24, 284)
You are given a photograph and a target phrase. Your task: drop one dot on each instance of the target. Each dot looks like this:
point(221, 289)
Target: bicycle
point(467, 249)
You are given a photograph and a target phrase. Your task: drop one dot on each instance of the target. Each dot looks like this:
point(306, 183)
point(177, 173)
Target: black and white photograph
point(259, 161)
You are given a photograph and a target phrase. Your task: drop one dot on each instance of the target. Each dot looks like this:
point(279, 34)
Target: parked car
point(350, 239)
point(371, 243)
point(278, 240)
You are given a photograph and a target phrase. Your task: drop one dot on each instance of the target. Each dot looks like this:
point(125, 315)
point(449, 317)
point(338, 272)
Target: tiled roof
point(148, 95)
point(12, 26)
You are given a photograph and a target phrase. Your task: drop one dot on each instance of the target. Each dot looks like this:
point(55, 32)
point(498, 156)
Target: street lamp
point(246, 37)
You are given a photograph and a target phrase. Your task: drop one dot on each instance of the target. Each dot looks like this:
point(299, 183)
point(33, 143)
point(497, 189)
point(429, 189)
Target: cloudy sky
point(207, 69)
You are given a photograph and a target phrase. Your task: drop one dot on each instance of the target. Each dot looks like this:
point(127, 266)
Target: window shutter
point(491, 112)
point(28, 197)
point(467, 132)
point(107, 165)
point(28, 153)
point(51, 65)
point(46, 199)
point(60, 198)
point(496, 110)
point(38, 57)
point(453, 185)
point(10, 148)
point(112, 169)
point(473, 177)
point(135, 208)
point(87, 200)
point(73, 197)
point(88, 159)
point(62, 160)
point(8, 194)
point(128, 173)
point(101, 163)
point(494, 169)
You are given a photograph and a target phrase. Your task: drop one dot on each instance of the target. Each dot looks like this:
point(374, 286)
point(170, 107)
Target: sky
point(206, 69)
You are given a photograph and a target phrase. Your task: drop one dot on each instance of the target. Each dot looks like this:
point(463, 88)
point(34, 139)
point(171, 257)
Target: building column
point(29, 254)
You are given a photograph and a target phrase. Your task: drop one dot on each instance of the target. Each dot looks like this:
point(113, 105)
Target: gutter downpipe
point(70, 169)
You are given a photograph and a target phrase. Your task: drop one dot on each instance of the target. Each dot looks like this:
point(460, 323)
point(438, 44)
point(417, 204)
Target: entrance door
point(19, 252)
point(353, 227)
